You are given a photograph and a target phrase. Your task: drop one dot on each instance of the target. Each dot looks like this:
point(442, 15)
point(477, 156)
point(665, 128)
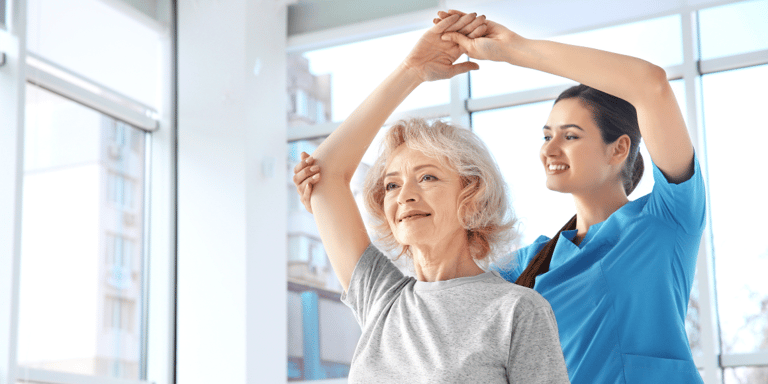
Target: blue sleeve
point(514, 265)
point(375, 277)
point(680, 205)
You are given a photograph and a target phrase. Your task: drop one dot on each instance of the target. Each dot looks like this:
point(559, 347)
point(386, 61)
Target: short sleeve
point(374, 278)
point(535, 354)
point(682, 205)
point(512, 266)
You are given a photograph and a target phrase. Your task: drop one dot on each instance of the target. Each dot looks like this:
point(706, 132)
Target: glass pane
point(82, 218)
point(745, 375)
point(345, 75)
point(329, 337)
point(658, 41)
point(99, 42)
point(734, 28)
point(736, 132)
point(513, 135)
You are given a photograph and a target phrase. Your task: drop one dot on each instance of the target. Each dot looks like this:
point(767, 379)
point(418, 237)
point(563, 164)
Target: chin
point(558, 188)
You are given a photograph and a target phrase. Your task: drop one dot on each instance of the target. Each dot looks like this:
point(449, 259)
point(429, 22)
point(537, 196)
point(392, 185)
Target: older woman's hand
point(432, 58)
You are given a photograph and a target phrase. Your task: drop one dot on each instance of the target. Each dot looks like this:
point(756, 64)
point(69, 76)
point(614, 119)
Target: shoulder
point(513, 265)
point(521, 298)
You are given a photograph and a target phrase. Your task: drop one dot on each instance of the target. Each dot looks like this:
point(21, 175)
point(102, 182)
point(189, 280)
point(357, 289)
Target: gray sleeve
point(535, 355)
point(374, 280)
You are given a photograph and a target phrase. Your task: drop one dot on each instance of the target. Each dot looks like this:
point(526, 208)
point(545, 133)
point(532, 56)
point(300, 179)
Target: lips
point(411, 215)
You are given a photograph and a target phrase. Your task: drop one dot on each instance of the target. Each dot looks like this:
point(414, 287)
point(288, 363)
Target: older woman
point(441, 202)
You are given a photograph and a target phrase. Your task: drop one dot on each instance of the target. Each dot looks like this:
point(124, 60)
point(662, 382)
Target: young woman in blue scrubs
point(619, 274)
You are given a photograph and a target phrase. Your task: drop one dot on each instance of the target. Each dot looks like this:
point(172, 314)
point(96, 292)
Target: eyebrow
point(416, 168)
point(565, 126)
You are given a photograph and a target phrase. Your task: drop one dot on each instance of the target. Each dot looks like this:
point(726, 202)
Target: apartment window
point(68, 221)
point(733, 104)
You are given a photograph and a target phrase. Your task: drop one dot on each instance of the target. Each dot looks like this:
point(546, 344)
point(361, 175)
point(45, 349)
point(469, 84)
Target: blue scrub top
point(621, 296)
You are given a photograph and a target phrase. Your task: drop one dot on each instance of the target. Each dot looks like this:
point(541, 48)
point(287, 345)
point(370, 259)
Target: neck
point(449, 260)
point(596, 206)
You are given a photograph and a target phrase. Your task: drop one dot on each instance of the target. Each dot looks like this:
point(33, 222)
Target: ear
point(620, 149)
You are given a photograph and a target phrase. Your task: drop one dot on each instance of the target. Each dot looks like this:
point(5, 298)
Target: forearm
point(340, 153)
point(630, 78)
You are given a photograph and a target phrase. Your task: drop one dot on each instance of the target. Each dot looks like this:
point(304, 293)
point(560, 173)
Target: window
point(658, 41)
point(733, 29)
point(343, 84)
point(735, 130)
point(76, 208)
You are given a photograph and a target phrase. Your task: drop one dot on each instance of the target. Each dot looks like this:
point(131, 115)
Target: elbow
point(654, 82)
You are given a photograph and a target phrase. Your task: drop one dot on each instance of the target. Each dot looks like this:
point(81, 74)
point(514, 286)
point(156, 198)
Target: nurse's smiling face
point(421, 199)
point(574, 156)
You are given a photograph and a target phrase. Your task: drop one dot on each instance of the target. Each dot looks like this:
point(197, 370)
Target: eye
point(390, 186)
point(571, 137)
point(547, 137)
point(428, 178)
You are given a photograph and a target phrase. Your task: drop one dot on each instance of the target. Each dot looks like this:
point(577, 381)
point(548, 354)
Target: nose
point(409, 192)
point(550, 148)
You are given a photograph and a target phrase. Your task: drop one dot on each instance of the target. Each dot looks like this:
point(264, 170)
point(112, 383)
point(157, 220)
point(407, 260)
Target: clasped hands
point(456, 33)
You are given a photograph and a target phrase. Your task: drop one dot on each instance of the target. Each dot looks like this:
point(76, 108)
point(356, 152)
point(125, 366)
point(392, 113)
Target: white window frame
point(159, 245)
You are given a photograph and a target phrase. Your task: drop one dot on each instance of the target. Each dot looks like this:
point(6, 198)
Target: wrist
point(409, 74)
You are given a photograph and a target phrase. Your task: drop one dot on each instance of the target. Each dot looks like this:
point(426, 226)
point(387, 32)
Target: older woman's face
point(421, 199)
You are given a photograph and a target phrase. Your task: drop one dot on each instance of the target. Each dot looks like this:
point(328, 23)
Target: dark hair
point(614, 117)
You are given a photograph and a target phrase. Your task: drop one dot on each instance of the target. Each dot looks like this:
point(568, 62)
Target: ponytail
point(631, 182)
point(540, 262)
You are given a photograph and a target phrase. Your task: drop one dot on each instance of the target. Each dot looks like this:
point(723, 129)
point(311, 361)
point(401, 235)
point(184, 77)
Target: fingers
point(445, 23)
point(305, 192)
point(462, 22)
point(308, 174)
point(478, 32)
point(305, 170)
point(305, 160)
point(458, 38)
point(444, 14)
point(476, 23)
point(463, 67)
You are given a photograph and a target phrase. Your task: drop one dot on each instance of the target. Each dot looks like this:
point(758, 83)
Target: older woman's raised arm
point(336, 214)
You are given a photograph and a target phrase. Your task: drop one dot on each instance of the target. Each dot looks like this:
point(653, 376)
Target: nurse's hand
point(305, 175)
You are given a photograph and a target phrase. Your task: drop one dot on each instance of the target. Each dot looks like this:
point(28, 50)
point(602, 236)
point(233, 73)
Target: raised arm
point(637, 81)
point(336, 214)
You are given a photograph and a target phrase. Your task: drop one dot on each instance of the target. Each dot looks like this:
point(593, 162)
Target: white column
point(710, 336)
point(231, 307)
point(12, 83)
point(267, 207)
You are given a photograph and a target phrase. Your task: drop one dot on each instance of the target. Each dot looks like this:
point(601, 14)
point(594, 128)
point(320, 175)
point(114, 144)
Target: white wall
point(231, 200)
point(12, 43)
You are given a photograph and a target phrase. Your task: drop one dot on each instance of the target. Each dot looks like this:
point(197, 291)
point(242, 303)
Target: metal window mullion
point(304, 132)
point(710, 341)
point(737, 61)
point(745, 359)
point(458, 104)
point(145, 262)
point(61, 81)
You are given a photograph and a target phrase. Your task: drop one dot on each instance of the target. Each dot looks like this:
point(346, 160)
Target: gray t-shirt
point(479, 329)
